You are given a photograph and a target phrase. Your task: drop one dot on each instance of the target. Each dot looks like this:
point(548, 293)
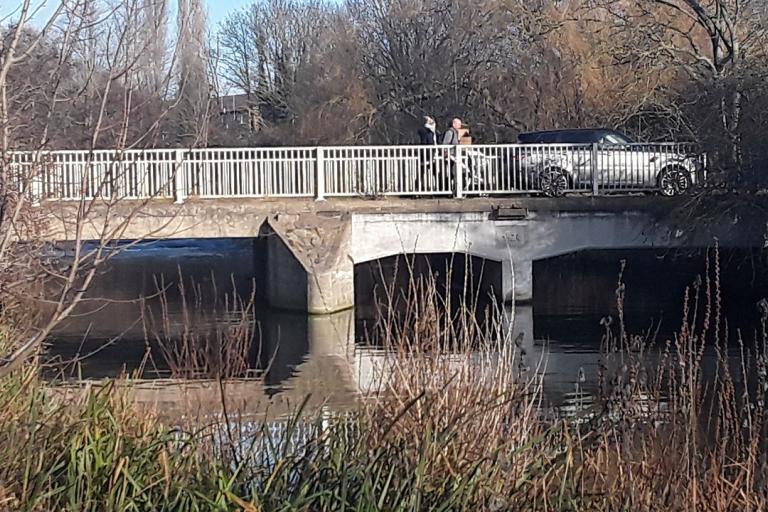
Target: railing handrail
point(343, 148)
point(150, 150)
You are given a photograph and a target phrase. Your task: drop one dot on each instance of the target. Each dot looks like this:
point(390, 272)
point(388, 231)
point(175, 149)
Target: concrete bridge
point(312, 248)
point(321, 211)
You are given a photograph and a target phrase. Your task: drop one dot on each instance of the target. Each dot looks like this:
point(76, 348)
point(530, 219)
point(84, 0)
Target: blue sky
point(217, 9)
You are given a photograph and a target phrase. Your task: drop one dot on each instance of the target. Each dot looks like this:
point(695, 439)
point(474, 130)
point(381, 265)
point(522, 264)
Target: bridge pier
point(517, 280)
point(307, 267)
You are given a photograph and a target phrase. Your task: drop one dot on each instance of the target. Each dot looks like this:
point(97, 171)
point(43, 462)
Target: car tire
point(553, 182)
point(674, 181)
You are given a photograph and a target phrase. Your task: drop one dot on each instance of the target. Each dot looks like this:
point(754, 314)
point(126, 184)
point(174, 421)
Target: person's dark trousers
point(426, 179)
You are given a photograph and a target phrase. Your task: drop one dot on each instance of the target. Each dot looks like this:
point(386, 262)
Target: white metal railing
point(385, 170)
point(252, 172)
point(371, 171)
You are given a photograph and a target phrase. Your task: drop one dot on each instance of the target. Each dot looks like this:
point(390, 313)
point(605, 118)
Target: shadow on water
point(296, 354)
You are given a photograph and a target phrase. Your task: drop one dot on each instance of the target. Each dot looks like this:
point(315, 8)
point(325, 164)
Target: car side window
point(611, 139)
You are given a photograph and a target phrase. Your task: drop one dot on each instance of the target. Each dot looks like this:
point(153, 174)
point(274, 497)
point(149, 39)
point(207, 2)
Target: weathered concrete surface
point(308, 263)
point(543, 233)
point(235, 218)
point(514, 243)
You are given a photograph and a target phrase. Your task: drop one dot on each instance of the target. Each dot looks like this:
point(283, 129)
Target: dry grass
point(661, 437)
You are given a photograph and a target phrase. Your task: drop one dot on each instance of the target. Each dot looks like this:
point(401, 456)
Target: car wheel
point(674, 181)
point(554, 182)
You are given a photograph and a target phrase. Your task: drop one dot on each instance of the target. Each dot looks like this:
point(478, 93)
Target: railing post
point(320, 175)
point(179, 191)
point(593, 166)
point(36, 180)
point(458, 172)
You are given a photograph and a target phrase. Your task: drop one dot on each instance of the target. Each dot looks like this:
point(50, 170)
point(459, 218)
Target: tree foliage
point(365, 72)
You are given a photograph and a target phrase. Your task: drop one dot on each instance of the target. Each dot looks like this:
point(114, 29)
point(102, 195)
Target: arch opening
point(404, 292)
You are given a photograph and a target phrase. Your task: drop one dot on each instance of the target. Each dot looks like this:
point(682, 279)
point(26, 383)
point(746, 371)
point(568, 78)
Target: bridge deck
point(313, 246)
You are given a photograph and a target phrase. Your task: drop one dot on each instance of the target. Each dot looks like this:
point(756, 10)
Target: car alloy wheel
point(554, 182)
point(674, 181)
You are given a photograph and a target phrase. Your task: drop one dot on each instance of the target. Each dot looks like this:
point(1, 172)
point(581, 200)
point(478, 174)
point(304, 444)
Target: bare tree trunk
point(194, 89)
point(730, 107)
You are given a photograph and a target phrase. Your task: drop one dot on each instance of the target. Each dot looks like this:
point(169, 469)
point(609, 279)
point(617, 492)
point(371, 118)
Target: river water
point(138, 314)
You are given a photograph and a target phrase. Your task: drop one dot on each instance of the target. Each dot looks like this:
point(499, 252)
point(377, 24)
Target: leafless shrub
point(193, 343)
point(97, 66)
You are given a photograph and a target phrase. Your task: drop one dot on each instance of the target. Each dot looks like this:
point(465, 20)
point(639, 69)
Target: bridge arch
point(461, 271)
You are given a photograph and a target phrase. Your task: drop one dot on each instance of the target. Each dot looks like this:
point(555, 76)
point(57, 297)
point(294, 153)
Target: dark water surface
point(296, 354)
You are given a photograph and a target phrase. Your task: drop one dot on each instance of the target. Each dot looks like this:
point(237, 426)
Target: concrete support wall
point(517, 280)
point(308, 270)
point(515, 243)
point(287, 280)
point(331, 290)
point(327, 261)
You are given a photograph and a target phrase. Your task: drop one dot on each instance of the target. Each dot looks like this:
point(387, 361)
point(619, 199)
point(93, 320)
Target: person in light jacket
point(452, 137)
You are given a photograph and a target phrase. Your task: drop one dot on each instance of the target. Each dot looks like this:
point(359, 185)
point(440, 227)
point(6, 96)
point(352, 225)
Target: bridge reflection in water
point(322, 355)
point(303, 356)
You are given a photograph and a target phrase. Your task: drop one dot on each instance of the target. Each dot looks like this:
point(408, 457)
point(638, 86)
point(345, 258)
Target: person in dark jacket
point(427, 133)
point(427, 137)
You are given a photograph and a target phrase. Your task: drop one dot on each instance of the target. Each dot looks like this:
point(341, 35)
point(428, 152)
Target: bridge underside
point(313, 247)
